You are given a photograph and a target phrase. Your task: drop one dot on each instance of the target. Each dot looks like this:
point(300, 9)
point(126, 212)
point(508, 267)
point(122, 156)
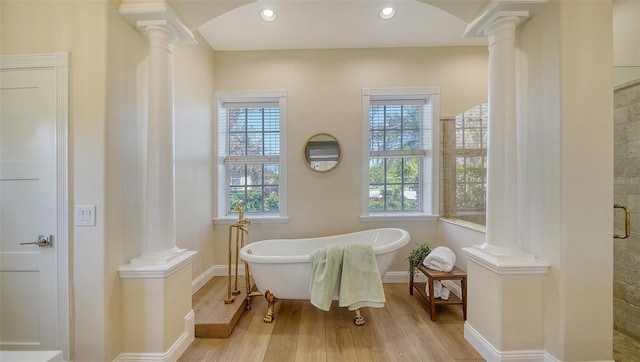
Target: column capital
point(144, 14)
point(500, 11)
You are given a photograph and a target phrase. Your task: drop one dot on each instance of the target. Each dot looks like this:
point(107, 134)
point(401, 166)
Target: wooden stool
point(455, 274)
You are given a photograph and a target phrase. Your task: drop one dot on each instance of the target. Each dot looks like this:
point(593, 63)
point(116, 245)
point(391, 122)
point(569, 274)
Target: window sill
point(465, 224)
point(255, 219)
point(399, 217)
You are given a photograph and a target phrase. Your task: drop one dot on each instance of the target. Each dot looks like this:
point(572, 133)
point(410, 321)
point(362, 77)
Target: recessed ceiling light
point(268, 14)
point(387, 13)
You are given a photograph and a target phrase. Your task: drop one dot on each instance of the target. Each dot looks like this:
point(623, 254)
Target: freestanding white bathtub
point(283, 266)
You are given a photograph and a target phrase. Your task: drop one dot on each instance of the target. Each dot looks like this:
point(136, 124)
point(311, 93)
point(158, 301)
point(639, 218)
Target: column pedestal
point(158, 319)
point(505, 283)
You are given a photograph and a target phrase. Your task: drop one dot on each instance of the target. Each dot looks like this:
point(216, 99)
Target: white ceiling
point(322, 24)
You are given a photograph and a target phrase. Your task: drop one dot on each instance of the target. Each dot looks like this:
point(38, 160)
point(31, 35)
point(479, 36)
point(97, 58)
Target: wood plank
point(401, 331)
point(451, 336)
point(340, 345)
point(396, 341)
point(370, 346)
point(338, 317)
point(417, 327)
point(284, 339)
point(196, 351)
point(255, 341)
point(234, 344)
point(222, 319)
point(398, 299)
point(208, 297)
point(311, 334)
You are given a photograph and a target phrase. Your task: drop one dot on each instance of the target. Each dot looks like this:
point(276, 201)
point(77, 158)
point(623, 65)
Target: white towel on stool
point(441, 258)
point(438, 290)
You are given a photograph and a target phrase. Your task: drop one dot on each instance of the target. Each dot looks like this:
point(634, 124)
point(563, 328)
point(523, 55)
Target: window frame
point(467, 153)
point(220, 150)
point(430, 203)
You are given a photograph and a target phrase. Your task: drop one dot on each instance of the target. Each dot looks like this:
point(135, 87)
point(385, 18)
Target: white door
point(30, 275)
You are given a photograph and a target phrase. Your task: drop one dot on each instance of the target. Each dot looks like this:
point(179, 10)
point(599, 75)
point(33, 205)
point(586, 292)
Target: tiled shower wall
point(626, 272)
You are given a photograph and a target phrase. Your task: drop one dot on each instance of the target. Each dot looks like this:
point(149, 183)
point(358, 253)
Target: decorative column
point(164, 30)
point(502, 245)
point(160, 235)
point(158, 318)
point(502, 176)
point(506, 283)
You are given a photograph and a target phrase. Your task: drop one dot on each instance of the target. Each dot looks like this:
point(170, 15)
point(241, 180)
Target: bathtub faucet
point(240, 230)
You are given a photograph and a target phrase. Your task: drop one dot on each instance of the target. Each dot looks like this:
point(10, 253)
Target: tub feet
point(358, 320)
point(271, 301)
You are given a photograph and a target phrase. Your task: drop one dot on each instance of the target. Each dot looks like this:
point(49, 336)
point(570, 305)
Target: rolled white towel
point(441, 258)
point(438, 290)
point(444, 294)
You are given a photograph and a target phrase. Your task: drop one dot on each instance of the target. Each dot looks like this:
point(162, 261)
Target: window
point(399, 137)
point(251, 154)
point(465, 141)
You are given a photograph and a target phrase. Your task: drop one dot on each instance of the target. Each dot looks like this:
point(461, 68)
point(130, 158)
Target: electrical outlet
point(84, 215)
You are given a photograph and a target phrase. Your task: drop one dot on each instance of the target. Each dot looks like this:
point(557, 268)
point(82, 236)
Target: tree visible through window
point(399, 131)
point(394, 182)
point(471, 160)
point(254, 135)
point(251, 154)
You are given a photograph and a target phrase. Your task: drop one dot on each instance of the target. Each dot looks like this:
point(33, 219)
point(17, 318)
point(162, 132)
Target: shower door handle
point(627, 222)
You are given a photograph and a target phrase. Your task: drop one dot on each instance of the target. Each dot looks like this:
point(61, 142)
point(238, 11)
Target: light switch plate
point(84, 215)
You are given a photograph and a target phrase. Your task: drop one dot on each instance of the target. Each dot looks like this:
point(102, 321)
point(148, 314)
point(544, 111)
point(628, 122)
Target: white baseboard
point(214, 271)
point(176, 350)
point(202, 279)
point(396, 277)
point(491, 354)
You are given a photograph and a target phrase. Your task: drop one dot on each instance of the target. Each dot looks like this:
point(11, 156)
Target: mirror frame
point(305, 148)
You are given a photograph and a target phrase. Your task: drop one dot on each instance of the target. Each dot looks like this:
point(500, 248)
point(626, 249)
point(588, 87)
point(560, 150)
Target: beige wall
point(108, 76)
point(127, 58)
point(194, 119)
point(568, 219)
point(81, 29)
point(324, 95)
point(566, 111)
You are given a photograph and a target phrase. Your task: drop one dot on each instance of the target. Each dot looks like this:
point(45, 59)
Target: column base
point(156, 266)
point(505, 293)
point(157, 257)
point(506, 261)
point(157, 307)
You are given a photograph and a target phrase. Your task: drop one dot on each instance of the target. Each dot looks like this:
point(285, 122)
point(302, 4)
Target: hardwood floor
point(401, 331)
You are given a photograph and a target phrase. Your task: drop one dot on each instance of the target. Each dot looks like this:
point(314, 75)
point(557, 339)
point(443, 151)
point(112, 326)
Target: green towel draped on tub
point(356, 267)
point(326, 264)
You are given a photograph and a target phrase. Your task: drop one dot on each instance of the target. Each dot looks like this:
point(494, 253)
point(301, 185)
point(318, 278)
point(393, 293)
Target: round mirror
point(322, 152)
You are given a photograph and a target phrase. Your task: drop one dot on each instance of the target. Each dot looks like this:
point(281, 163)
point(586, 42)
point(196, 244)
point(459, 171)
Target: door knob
point(44, 241)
